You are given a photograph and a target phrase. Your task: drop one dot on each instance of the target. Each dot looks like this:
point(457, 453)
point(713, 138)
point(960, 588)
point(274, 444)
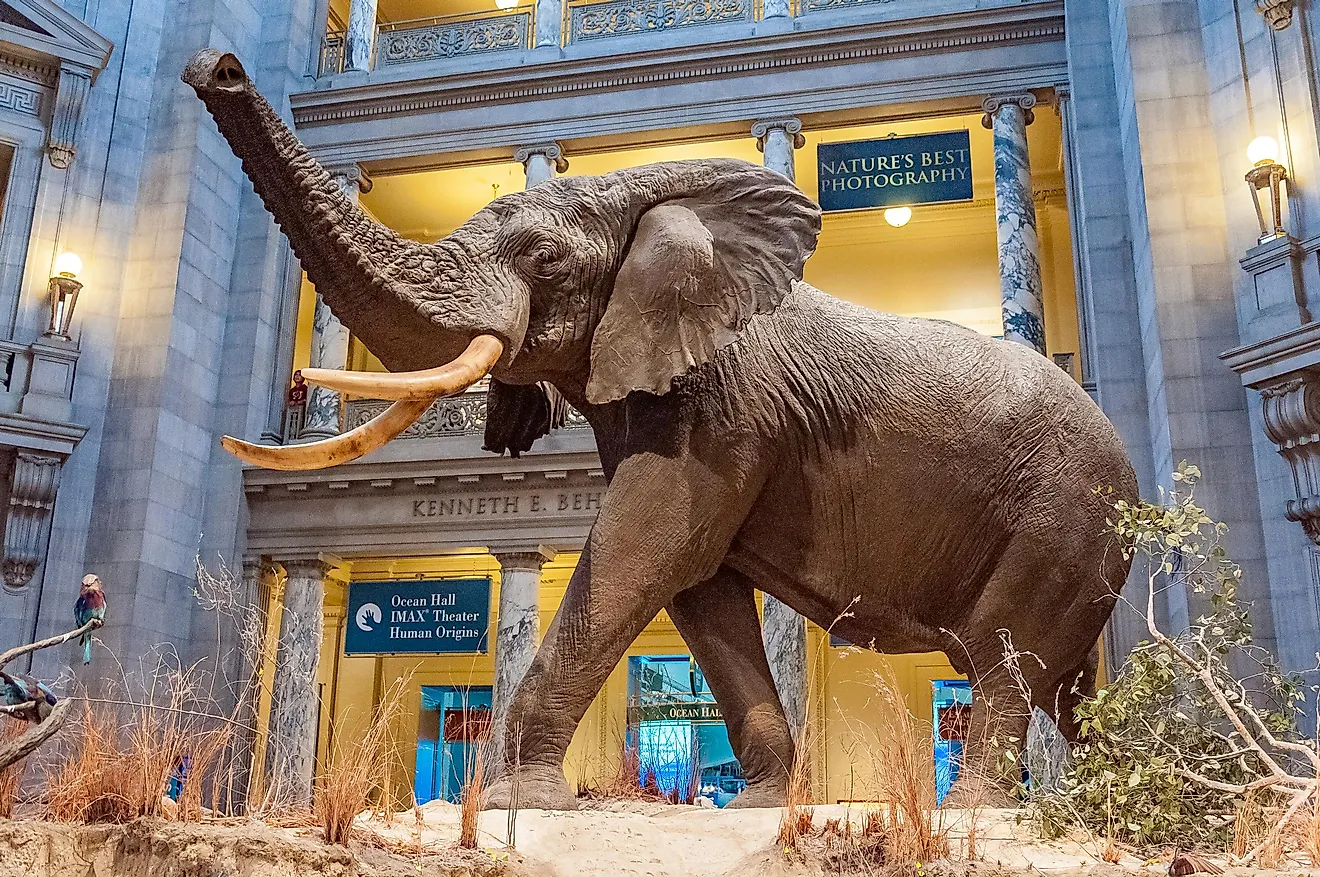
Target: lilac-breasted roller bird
point(16, 689)
point(91, 604)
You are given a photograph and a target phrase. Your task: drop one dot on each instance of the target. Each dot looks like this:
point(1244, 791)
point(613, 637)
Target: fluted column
point(541, 162)
point(518, 629)
point(330, 337)
point(1015, 211)
point(360, 40)
point(291, 750)
point(777, 139)
point(783, 630)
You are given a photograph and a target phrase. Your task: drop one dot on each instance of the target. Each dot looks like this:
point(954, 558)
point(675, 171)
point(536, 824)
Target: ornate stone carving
point(615, 18)
point(1278, 13)
point(817, 5)
point(993, 104)
point(456, 415)
point(32, 491)
point(19, 99)
point(1292, 421)
point(790, 126)
point(552, 151)
point(70, 97)
point(501, 32)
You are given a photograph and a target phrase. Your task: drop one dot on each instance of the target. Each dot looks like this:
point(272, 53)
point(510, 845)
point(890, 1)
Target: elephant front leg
point(665, 525)
point(718, 621)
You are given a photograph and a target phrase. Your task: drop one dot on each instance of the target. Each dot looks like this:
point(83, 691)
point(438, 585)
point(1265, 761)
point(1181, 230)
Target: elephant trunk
point(345, 253)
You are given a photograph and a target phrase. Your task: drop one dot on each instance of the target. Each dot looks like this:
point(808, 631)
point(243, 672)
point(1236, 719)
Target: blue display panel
point(895, 171)
point(428, 617)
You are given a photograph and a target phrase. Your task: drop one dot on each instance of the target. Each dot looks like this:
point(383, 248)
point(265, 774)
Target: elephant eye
point(545, 257)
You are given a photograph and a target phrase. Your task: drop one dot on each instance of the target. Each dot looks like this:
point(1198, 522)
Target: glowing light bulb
point(898, 216)
point(506, 4)
point(68, 264)
point(1263, 150)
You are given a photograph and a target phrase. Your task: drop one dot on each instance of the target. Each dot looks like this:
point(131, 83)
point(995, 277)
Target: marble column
point(251, 621)
point(330, 337)
point(360, 39)
point(777, 139)
point(291, 745)
point(1015, 213)
point(518, 629)
point(784, 631)
point(541, 162)
point(549, 22)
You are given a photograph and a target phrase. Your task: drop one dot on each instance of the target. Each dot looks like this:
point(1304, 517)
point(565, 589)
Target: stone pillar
point(291, 746)
point(330, 337)
point(518, 629)
point(776, 139)
point(251, 621)
point(549, 22)
point(360, 39)
point(1015, 212)
point(541, 162)
point(784, 631)
point(776, 9)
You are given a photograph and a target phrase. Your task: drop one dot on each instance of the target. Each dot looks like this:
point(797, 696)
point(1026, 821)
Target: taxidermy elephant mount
point(911, 483)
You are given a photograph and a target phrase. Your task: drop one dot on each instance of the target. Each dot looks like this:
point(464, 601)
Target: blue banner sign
point(896, 171)
point(430, 617)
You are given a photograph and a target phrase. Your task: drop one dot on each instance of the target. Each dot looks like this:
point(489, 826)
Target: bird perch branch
point(20, 651)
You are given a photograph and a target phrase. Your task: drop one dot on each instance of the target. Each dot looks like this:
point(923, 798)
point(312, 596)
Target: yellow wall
point(843, 702)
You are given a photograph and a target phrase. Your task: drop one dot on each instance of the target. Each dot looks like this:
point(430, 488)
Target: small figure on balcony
point(298, 392)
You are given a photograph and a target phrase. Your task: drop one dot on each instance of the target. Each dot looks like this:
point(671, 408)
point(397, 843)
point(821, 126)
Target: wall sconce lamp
point(1267, 174)
point(64, 288)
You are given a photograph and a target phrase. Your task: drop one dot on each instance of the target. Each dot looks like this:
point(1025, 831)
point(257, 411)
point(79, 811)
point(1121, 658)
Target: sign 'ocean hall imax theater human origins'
point(429, 617)
point(895, 171)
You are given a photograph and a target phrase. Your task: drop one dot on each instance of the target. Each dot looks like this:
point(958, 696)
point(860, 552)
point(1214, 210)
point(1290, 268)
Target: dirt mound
point(171, 849)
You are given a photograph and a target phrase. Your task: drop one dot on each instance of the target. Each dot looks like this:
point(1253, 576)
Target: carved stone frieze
point(1278, 13)
point(448, 39)
point(614, 18)
point(35, 480)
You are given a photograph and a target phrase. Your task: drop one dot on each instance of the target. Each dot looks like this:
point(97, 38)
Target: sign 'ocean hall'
point(440, 616)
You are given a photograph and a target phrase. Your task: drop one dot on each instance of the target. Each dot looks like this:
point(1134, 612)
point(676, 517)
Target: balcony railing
point(332, 54)
point(450, 36)
point(464, 414)
point(600, 19)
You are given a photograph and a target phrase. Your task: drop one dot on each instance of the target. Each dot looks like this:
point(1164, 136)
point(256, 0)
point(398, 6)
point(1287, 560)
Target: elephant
point(909, 483)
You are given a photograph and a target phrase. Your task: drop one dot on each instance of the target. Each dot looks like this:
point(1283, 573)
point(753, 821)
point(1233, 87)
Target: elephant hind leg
point(718, 621)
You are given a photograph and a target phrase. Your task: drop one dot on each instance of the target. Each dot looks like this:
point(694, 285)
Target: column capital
point(552, 151)
point(351, 174)
point(996, 102)
point(311, 566)
point(1278, 13)
point(789, 125)
point(529, 558)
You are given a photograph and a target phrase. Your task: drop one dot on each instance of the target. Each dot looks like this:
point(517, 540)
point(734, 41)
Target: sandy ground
point(625, 840)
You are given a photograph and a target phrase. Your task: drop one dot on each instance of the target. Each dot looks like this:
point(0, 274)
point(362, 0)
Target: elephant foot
point(767, 793)
point(537, 789)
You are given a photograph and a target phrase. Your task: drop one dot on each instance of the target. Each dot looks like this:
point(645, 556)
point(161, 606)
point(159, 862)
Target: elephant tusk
point(329, 452)
point(446, 380)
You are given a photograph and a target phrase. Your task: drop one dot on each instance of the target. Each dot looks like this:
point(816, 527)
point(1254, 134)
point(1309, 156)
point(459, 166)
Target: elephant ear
point(697, 270)
point(518, 415)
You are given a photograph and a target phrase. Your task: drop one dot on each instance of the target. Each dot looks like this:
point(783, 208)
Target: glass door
point(453, 724)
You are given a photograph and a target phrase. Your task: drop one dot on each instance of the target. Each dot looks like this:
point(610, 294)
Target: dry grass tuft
point(475, 783)
point(10, 730)
point(356, 768)
point(796, 822)
point(1306, 832)
point(906, 775)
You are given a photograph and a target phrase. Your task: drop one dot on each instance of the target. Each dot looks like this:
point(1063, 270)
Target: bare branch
point(20, 651)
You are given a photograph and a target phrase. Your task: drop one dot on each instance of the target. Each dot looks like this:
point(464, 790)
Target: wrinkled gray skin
point(912, 483)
